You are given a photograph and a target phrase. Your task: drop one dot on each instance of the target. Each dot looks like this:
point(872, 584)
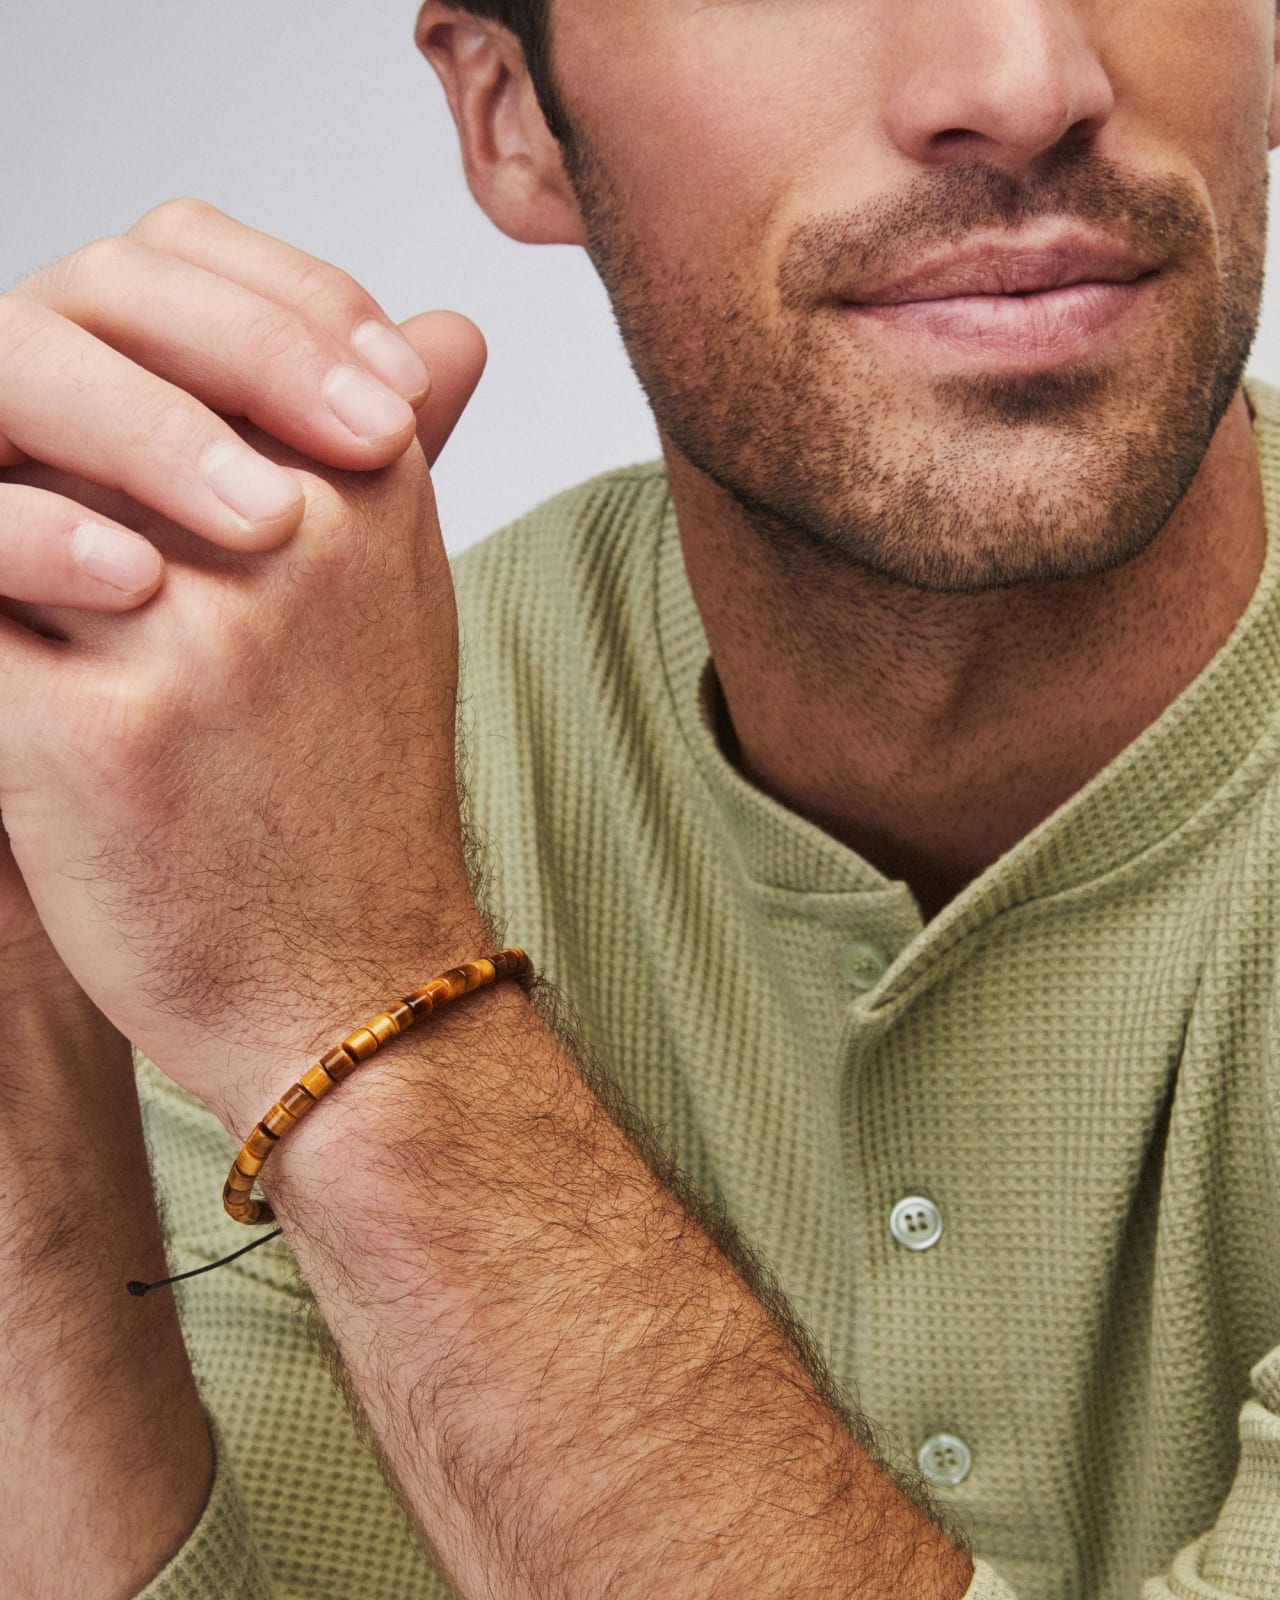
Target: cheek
point(742, 123)
point(1196, 76)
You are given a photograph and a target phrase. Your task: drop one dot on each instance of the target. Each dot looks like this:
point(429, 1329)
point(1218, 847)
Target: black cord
point(139, 1289)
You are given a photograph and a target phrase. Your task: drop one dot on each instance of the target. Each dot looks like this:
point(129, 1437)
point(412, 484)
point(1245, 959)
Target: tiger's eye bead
point(278, 1120)
point(402, 1014)
point(296, 1101)
point(259, 1142)
point(316, 1081)
point(339, 1063)
point(361, 1044)
point(250, 1212)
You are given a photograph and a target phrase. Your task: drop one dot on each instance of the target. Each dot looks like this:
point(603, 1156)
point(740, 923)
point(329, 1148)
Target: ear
point(513, 163)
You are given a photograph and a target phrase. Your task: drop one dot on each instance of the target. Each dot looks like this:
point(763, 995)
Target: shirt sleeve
point(1239, 1558)
point(218, 1561)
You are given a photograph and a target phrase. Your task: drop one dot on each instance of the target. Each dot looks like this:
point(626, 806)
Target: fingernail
point(364, 405)
point(393, 358)
point(115, 556)
point(254, 488)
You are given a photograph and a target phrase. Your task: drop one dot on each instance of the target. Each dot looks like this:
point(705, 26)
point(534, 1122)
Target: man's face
point(761, 180)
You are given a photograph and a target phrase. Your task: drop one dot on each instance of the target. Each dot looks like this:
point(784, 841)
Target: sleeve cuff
point(987, 1585)
point(1237, 1558)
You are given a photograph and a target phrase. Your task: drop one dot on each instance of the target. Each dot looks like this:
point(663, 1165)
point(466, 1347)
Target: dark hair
point(530, 21)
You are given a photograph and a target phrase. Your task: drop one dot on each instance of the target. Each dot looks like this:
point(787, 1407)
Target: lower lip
point(1013, 333)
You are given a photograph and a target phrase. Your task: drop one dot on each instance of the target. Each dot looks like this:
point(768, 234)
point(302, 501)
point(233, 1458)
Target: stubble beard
point(955, 485)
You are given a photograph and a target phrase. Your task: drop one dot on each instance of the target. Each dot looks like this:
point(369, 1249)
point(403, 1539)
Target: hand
point(234, 805)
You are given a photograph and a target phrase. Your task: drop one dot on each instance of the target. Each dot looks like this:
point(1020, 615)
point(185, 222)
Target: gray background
point(318, 121)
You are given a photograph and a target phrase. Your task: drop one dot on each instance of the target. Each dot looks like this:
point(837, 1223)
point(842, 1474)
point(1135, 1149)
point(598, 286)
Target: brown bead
point(260, 1141)
point(361, 1044)
point(296, 1101)
point(383, 1027)
point(316, 1081)
point(280, 1119)
point(402, 1014)
point(250, 1212)
point(339, 1063)
point(420, 1003)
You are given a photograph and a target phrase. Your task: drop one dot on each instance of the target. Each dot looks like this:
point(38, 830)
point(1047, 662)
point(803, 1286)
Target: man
point(889, 783)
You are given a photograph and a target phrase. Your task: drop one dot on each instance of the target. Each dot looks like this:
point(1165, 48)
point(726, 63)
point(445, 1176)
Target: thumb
point(455, 353)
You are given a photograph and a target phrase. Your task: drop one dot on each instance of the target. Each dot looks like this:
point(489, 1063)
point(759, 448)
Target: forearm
point(105, 1460)
point(574, 1390)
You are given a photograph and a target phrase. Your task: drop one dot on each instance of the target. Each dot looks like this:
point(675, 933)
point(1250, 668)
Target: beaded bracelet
point(341, 1062)
point(326, 1074)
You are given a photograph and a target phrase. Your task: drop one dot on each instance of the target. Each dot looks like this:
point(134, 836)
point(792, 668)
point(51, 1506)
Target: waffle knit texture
point(1076, 1062)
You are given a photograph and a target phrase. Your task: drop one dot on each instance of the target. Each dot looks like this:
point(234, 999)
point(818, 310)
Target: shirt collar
point(1210, 749)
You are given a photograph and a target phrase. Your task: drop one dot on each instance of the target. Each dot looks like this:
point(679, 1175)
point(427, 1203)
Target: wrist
point(441, 1050)
point(248, 1077)
point(432, 1110)
point(63, 1057)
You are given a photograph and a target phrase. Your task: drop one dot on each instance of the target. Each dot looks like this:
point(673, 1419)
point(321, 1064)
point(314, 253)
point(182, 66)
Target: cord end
point(138, 1289)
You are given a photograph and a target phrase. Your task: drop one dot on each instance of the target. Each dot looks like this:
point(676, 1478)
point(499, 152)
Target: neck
point(931, 732)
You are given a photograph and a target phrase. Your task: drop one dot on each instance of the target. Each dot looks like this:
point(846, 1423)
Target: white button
point(862, 966)
point(945, 1460)
point(916, 1223)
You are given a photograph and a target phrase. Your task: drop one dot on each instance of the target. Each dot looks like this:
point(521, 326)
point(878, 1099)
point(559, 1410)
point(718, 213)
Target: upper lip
point(1011, 265)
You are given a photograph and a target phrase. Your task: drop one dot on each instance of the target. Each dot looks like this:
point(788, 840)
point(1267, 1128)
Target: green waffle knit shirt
point(1076, 1065)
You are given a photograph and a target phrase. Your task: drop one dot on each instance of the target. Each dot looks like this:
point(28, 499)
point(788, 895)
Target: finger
point(52, 552)
point(454, 348)
point(74, 403)
point(239, 353)
point(330, 299)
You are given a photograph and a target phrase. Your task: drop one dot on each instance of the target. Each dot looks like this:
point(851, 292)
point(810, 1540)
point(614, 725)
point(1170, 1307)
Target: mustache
point(1160, 218)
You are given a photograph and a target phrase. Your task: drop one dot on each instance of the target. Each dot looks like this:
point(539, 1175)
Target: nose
point(1000, 81)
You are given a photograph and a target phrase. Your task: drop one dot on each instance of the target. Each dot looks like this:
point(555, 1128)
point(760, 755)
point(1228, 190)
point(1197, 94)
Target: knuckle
point(173, 219)
point(331, 296)
point(358, 529)
point(279, 340)
point(68, 285)
point(128, 720)
point(109, 257)
point(329, 510)
point(166, 424)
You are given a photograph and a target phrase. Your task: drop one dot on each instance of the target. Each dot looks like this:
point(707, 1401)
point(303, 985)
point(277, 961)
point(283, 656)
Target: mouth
point(1024, 304)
